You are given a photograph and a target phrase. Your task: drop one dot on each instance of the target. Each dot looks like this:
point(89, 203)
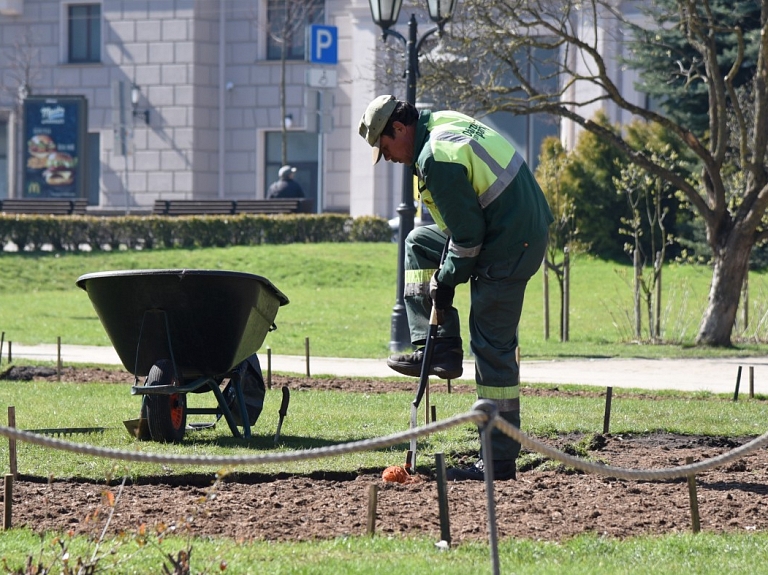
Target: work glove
point(442, 297)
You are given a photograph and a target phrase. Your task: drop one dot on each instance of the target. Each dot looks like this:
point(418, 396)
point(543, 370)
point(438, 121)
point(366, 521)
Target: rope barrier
point(475, 416)
point(237, 460)
point(625, 473)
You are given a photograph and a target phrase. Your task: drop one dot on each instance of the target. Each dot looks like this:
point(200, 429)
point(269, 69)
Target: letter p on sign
point(323, 44)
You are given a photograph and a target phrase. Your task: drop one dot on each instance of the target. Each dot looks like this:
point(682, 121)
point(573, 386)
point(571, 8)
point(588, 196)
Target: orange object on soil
point(397, 474)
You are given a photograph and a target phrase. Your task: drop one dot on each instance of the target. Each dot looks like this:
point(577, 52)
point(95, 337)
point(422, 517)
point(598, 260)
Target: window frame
point(297, 49)
point(65, 32)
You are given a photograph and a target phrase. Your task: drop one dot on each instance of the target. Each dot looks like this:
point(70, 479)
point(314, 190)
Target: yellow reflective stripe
point(426, 197)
point(489, 392)
point(418, 276)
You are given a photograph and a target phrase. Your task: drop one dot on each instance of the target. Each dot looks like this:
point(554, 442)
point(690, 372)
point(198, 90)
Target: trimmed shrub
point(71, 233)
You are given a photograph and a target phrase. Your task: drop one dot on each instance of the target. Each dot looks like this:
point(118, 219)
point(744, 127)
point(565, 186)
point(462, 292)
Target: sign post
point(323, 44)
point(322, 48)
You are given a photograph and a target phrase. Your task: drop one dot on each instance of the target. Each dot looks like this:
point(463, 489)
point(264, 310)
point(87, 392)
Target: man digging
point(482, 194)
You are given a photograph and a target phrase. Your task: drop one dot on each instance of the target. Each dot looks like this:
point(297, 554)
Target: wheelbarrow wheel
point(166, 414)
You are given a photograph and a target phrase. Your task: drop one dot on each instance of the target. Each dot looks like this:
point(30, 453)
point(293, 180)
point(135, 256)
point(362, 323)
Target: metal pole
point(400, 338)
point(320, 151)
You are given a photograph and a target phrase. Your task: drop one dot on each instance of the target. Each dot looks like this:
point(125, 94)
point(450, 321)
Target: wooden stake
point(373, 500)
point(269, 368)
point(12, 442)
point(545, 275)
point(7, 501)
point(695, 522)
point(58, 358)
point(10, 355)
point(434, 413)
point(442, 498)
point(738, 381)
point(306, 353)
point(2, 340)
point(449, 385)
point(607, 416)
point(751, 382)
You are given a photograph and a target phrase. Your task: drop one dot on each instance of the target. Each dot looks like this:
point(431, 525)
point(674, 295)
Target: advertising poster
point(54, 146)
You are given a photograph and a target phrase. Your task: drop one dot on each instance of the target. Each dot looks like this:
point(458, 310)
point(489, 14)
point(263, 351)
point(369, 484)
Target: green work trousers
point(496, 302)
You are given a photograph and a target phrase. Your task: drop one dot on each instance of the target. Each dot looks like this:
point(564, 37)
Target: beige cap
point(373, 121)
point(285, 170)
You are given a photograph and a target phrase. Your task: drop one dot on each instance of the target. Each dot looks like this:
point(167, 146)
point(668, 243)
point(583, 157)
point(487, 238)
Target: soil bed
point(550, 505)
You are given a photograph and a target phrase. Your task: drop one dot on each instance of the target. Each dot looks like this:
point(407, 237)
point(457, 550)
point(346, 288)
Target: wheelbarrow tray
point(207, 321)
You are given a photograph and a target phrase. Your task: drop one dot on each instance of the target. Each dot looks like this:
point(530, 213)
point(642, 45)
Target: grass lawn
point(342, 297)
point(320, 418)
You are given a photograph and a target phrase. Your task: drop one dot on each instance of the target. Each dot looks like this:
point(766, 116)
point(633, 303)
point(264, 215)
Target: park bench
point(57, 207)
point(225, 207)
point(275, 206)
point(193, 207)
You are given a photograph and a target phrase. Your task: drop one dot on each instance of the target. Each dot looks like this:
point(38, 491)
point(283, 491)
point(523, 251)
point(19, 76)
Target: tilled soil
point(551, 505)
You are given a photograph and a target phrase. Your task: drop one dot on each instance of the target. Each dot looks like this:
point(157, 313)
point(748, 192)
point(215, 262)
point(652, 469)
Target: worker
point(285, 186)
point(482, 194)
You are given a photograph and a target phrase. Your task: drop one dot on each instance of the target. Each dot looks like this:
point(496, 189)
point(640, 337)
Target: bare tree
point(549, 173)
point(487, 67)
point(285, 26)
point(644, 190)
point(22, 71)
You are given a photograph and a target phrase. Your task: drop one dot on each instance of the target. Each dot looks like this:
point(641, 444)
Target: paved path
point(715, 375)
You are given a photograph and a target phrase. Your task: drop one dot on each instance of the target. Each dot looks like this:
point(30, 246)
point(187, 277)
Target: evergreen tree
point(678, 89)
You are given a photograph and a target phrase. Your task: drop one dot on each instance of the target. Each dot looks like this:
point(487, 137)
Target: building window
point(288, 20)
point(84, 27)
point(302, 154)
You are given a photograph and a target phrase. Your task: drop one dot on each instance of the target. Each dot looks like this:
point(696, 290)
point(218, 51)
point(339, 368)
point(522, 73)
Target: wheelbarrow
point(186, 331)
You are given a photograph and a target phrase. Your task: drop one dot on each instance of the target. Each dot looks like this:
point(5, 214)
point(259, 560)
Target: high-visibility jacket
point(478, 189)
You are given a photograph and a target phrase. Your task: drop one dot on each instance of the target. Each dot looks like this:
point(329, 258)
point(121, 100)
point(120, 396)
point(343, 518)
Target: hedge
point(73, 233)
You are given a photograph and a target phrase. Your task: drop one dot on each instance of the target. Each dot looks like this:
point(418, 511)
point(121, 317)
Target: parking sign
point(323, 44)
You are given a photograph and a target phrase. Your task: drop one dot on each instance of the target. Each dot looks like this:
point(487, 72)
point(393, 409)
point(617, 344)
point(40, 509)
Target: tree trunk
point(730, 267)
point(638, 273)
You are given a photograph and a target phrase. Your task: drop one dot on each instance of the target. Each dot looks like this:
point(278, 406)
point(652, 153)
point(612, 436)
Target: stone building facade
point(209, 82)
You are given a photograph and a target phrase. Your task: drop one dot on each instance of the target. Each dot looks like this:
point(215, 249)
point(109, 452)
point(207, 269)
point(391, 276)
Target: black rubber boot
point(446, 360)
point(502, 469)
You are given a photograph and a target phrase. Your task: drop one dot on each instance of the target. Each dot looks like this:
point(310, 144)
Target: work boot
point(502, 469)
point(445, 364)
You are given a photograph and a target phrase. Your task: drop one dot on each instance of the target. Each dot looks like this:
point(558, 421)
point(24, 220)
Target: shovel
point(426, 363)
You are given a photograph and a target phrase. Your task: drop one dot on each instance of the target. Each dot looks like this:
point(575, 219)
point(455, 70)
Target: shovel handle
point(429, 345)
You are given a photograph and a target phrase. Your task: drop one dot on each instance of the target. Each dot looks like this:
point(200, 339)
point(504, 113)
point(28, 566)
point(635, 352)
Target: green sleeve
point(456, 200)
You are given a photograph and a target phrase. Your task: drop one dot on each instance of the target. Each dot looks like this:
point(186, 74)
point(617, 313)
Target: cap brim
point(376, 152)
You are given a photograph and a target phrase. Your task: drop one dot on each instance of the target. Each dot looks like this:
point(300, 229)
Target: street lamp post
point(385, 14)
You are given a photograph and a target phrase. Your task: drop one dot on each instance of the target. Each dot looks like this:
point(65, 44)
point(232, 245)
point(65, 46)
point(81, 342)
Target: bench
point(193, 207)
point(57, 207)
point(275, 206)
point(228, 207)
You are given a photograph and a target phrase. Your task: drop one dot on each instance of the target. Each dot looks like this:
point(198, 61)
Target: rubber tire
point(166, 414)
point(254, 390)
